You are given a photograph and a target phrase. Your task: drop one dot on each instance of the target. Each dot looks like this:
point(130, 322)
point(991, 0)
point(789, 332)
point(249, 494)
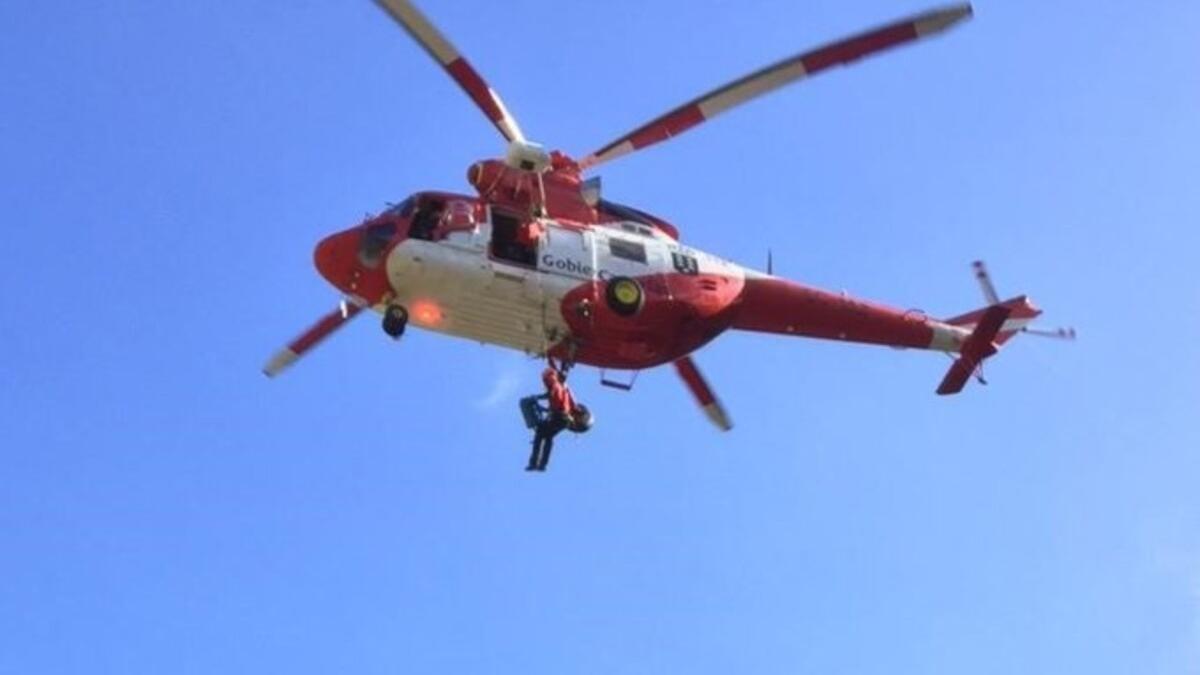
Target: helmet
point(581, 419)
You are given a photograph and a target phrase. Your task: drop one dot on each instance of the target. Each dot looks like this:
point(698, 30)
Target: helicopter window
point(629, 250)
point(633, 228)
point(425, 220)
point(404, 209)
point(374, 241)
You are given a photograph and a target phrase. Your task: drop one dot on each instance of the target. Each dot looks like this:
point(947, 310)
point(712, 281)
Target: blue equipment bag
point(531, 411)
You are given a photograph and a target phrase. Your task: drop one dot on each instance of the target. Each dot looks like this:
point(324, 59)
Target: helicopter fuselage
point(462, 270)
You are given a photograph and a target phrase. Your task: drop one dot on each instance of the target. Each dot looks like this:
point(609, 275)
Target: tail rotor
point(990, 327)
point(989, 294)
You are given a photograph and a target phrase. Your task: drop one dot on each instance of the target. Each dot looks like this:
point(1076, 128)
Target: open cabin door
point(533, 263)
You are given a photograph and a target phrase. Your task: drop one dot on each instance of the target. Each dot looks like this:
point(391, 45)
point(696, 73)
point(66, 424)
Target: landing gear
point(395, 320)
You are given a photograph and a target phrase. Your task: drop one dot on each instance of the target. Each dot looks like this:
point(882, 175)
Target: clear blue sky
point(166, 167)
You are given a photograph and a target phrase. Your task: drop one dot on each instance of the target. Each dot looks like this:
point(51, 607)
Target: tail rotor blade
point(985, 283)
point(704, 396)
point(1066, 333)
point(309, 338)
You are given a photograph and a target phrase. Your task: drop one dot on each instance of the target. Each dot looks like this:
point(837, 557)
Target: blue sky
point(167, 168)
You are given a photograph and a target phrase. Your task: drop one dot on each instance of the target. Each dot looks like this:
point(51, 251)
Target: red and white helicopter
point(537, 261)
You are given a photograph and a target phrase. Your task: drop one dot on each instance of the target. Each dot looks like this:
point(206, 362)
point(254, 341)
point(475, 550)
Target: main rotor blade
point(410, 18)
point(309, 339)
point(704, 396)
point(778, 75)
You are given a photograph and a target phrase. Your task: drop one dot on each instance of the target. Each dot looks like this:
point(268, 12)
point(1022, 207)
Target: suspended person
point(562, 408)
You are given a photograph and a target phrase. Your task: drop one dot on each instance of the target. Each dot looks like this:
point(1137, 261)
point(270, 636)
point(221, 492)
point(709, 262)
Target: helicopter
point(537, 260)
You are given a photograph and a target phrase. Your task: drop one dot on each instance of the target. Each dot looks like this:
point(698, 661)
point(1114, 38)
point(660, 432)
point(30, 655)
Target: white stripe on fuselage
point(949, 338)
point(503, 303)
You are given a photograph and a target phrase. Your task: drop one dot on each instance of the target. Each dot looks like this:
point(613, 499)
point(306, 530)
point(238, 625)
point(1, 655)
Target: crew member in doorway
point(528, 235)
point(562, 407)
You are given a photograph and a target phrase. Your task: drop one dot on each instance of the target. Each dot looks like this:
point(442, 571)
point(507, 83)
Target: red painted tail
point(981, 344)
point(990, 327)
point(1020, 313)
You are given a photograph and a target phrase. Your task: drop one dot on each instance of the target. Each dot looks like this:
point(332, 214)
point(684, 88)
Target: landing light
point(427, 313)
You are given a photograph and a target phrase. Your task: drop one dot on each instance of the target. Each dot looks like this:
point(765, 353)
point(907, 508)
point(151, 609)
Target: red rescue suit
point(562, 405)
point(560, 396)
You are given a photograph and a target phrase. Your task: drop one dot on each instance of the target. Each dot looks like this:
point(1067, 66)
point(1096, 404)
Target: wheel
point(624, 296)
point(395, 320)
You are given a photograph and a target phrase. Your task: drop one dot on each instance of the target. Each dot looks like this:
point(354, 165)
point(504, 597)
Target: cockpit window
point(403, 209)
point(425, 219)
point(374, 242)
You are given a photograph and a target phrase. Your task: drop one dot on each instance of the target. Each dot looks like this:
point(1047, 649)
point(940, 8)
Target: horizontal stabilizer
point(977, 347)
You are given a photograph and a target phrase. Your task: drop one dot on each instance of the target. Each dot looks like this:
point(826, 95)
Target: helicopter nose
point(334, 259)
point(348, 260)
